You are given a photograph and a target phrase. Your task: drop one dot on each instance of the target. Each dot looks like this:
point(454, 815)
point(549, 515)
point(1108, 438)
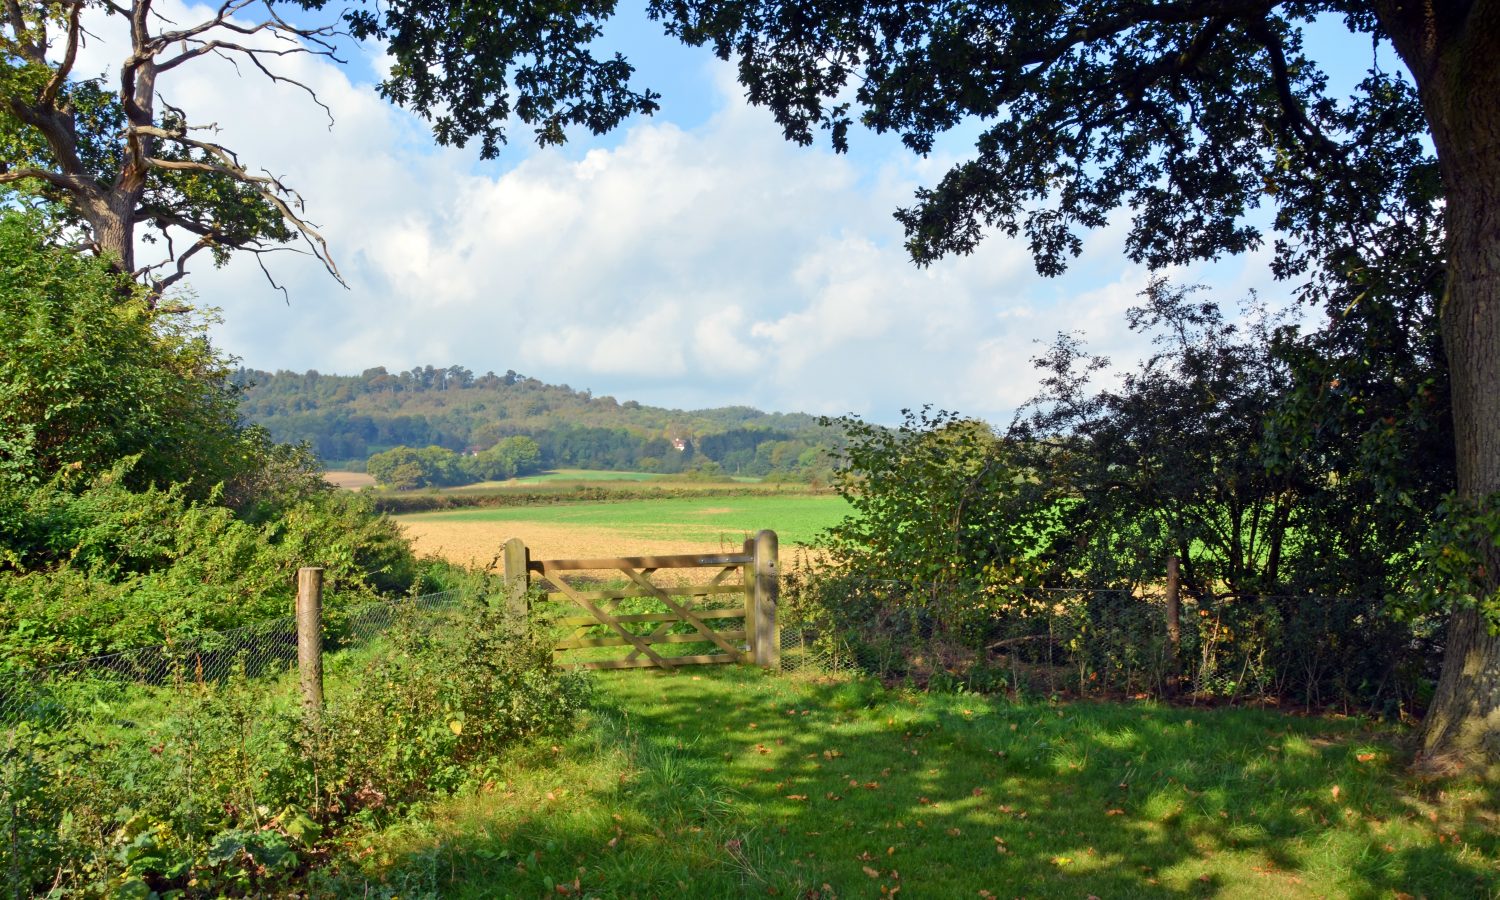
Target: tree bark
point(1451, 49)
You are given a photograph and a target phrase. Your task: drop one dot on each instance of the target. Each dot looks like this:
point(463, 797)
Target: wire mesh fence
point(1311, 650)
point(261, 650)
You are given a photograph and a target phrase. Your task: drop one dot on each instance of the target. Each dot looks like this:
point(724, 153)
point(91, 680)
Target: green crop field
point(796, 518)
point(586, 475)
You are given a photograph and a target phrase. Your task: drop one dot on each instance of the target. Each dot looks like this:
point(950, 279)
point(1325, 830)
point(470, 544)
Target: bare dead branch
point(285, 295)
point(159, 286)
point(65, 65)
point(58, 179)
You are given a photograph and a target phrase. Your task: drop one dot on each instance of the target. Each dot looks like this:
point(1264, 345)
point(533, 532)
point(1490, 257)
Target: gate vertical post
point(748, 574)
point(310, 638)
point(517, 578)
point(767, 593)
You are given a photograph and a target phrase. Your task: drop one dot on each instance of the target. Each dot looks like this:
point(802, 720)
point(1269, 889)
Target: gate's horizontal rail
point(685, 590)
point(693, 638)
point(646, 663)
point(734, 613)
point(546, 566)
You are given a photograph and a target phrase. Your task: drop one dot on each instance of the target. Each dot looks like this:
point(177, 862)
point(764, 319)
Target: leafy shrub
point(232, 790)
point(108, 568)
point(91, 373)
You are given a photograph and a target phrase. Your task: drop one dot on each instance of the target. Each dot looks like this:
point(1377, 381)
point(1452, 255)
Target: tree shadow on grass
point(727, 782)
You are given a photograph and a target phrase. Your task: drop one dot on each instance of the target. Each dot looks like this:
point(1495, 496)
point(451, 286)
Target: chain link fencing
point(264, 650)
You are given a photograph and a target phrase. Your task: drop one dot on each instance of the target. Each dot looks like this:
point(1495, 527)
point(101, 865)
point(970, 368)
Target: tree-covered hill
point(348, 418)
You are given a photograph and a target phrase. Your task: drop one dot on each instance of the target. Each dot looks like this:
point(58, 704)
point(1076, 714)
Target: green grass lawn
point(796, 518)
point(722, 781)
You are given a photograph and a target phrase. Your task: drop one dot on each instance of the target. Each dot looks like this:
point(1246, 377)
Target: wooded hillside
point(347, 418)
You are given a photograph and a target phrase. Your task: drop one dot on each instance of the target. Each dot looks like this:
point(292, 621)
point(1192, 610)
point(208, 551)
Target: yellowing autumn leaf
point(456, 726)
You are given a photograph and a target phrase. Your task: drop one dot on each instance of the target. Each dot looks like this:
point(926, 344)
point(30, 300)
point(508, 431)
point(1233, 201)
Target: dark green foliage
point(404, 468)
point(454, 67)
point(1292, 538)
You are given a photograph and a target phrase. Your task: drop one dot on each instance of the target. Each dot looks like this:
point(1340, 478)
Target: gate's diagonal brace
point(680, 610)
point(662, 629)
point(607, 619)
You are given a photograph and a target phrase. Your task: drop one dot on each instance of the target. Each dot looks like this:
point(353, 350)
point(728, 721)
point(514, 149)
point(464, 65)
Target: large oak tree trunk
point(1452, 50)
point(1465, 714)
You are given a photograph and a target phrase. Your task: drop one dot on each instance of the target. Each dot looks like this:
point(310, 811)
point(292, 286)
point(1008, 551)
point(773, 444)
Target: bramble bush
point(231, 790)
point(106, 567)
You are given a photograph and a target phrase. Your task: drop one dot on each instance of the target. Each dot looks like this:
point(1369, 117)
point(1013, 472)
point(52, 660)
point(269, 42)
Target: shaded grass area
point(723, 781)
point(796, 518)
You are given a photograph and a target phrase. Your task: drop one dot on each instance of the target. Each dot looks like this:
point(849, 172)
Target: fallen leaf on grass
point(796, 796)
point(1365, 757)
point(873, 873)
point(1115, 812)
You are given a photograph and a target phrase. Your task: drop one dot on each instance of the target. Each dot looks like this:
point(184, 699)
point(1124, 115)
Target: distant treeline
point(347, 419)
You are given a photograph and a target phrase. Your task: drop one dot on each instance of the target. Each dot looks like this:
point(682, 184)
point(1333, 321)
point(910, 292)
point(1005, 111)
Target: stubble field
point(622, 528)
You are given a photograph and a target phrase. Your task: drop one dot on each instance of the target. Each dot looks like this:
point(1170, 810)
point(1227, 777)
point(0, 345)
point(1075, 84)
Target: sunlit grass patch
point(725, 781)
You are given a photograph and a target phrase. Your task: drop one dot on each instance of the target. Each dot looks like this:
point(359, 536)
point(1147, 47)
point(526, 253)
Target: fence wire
point(1310, 650)
point(262, 650)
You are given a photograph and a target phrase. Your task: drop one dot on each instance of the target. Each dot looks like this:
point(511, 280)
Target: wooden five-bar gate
point(645, 614)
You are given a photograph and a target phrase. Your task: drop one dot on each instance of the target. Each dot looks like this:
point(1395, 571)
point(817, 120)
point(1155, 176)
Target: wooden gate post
point(767, 593)
point(517, 577)
point(310, 637)
point(1174, 624)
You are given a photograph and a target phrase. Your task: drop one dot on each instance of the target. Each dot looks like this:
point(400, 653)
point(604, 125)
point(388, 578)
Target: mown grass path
point(723, 782)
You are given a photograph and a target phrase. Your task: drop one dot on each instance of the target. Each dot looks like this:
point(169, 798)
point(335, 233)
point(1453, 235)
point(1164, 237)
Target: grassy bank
point(724, 782)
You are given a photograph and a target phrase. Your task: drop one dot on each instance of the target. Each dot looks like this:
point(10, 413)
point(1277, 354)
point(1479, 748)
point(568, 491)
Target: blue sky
point(689, 259)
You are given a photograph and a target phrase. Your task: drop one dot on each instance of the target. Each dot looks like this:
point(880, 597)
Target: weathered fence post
point(767, 593)
point(310, 637)
point(517, 577)
point(752, 655)
point(1174, 625)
